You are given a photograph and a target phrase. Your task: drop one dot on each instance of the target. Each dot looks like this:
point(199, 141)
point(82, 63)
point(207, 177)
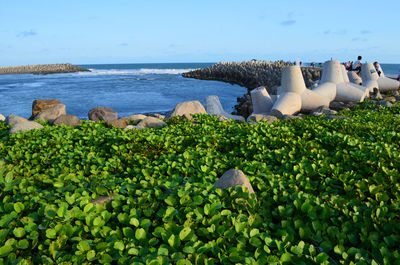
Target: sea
point(125, 88)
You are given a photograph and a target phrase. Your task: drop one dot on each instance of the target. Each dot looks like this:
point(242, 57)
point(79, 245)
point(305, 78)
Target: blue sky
point(84, 32)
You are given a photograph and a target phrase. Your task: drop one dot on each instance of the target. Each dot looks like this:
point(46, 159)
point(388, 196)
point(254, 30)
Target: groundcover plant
point(326, 192)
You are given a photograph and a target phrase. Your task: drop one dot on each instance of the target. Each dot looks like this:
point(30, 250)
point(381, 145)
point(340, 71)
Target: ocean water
point(126, 88)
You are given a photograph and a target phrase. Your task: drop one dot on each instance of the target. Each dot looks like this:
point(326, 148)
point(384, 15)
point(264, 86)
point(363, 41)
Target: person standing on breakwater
point(357, 65)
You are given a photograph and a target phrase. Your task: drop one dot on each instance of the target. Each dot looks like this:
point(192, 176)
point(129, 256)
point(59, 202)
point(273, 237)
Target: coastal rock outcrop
point(25, 126)
point(39, 105)
point(188, 107)
point(69, 120)
point(102, 114)
point(52, 113)
point(14, 119)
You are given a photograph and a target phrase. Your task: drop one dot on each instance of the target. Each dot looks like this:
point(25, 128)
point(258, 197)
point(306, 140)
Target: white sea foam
point(36, 84)
point(142, 71)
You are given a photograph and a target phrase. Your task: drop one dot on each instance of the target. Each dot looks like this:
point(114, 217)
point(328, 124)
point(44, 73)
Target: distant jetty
point(42, 69)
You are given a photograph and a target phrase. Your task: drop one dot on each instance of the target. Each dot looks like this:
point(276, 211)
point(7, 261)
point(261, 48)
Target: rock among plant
point(121, 123)
point(233, 178)
point(2, 118)
point(14, 119)
point(151, 122)
point(102, 114)
point(70, 120)
point(40, 105)
point(262, 117)
point(51, 113)
point(188, 107)
point(24, 126)
point(134, 118)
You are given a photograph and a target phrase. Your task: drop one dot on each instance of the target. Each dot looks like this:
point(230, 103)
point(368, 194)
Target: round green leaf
point(19, 232)
point(140, 234)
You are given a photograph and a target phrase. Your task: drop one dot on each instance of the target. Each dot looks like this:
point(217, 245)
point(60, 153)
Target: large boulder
point(233, 178)
point(117, 123)
point(2, 118)
point(151, 122)
point(40, 105)
point(25, 126)
point(134, 118)
point(51, 113)
point(70, 120)
point(102, 114)
point(14, 119)
point(188, 107)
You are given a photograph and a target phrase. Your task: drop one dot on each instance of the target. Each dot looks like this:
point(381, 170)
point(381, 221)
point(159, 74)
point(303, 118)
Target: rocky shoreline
point(42, 69)
point(251, 74)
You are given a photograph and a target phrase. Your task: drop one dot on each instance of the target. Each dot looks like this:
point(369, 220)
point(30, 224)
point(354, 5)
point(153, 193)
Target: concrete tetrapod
point(354, 78)
point(347, 92)
point(293, 82)
point(287, 104)
point(369, 76)
point(387, 84)
point(334, 85)
point(261, 100)
point(214, 107)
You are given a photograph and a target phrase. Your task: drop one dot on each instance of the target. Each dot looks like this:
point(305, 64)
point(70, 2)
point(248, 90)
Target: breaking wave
point(142, 71)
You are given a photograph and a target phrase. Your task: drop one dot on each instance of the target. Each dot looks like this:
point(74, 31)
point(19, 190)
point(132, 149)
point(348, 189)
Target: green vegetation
point(328, 192)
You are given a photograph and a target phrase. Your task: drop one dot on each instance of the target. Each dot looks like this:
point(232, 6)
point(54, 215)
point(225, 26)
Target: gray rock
point(188, 107)
point(102, 114)
point(335, 117)
point(70, 120)
point(133, 127)
point(52, 113)
point(151, 122)
point(291, 117)
point(14, 119)
point(376, 94)
point(2, 118)
point(157, 115)
point(134, 118)
point(337, 105)
point(233, 178)
point(277, 114)
point(103, 199)
point(262, 117)
point(24, 126)
point(384, 103)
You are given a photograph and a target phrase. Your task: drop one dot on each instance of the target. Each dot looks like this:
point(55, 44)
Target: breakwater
point(251, 74)
point(42, 69)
